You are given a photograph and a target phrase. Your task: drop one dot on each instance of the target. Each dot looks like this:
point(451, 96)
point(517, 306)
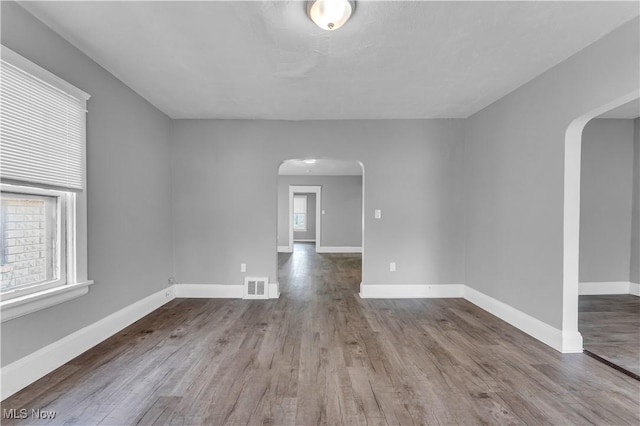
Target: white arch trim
point(571, 337)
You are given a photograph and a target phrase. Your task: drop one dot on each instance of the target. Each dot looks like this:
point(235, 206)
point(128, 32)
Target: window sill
point(14, 308)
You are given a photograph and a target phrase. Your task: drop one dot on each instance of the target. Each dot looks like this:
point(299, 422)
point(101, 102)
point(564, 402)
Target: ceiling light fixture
point(330, 14)
point(310, 161)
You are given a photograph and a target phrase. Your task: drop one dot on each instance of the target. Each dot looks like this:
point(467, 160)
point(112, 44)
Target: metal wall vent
point(256, 288)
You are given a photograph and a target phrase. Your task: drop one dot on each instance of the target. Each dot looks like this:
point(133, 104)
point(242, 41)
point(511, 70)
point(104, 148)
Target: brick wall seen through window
point(26, 248)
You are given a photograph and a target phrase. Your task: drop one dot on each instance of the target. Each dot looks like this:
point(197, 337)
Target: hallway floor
point(610, 327)
point(321, 355)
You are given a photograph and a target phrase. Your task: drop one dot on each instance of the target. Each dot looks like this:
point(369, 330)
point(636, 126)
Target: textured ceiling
point(267, 60)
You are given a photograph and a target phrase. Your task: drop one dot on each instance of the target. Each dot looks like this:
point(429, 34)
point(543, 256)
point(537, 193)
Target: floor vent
point(256, 288)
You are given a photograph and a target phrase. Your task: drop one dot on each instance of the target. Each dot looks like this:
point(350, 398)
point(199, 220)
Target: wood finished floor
point(321, 355)
point(610, 327)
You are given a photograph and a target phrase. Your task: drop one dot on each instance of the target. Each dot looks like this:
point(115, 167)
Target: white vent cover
point(256, 288)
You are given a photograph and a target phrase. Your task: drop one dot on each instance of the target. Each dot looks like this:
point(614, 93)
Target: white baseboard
point(525, 322)
point(287, 249)
point(603, 288)
point(571, 343)
point(522, 321)
point(634, 288)
point(345, 249)
point(32, 367)
point(274, 290)
point(218, 291)
point(21, 373)
point(209, 291)
point(410, 291)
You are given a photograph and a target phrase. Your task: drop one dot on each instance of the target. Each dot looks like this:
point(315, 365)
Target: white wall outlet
point(392, 266)
point(377, 214)
point(322, 211)
point(168, 294)
point(243, 267)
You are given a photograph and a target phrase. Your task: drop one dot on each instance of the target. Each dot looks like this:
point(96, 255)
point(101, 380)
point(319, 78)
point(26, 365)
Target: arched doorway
point(320, 211)
point(571, 337)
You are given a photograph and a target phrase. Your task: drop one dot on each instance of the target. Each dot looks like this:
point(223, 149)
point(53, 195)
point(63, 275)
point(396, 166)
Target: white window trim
point(77, 277)
point(36, 70)
point(18, 306)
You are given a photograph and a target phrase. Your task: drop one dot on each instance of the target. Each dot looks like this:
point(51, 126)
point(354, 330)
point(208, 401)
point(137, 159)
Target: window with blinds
point(42, 163)
point(42, 126)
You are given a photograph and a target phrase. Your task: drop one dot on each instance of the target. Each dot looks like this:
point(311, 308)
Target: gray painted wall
point(634, 275)
point(310, 233)
point(225, 187)
point(342, 202)
point(606, 190)
point(128, 181)
point(514, 174)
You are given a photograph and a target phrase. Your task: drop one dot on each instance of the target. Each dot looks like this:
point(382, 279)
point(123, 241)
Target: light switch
point(378, 214)
point(392, 266)
point(243, 267)
point(322, 211)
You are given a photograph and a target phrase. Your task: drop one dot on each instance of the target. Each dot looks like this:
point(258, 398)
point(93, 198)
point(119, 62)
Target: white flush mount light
point(330, 14)
point(310, 161)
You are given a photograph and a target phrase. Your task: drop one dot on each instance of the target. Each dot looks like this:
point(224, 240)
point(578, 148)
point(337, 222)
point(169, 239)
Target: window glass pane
point(299, 220)
point(28, 240)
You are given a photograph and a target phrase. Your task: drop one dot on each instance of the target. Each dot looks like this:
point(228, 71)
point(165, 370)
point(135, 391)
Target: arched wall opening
point(327, 180)
point(571, 337)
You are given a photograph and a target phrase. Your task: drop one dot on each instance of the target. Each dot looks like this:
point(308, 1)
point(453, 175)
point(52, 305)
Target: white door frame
point(305, 189)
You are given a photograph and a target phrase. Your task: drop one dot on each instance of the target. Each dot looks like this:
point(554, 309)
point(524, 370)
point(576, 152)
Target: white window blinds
point(42, 126)
point(300, 204)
